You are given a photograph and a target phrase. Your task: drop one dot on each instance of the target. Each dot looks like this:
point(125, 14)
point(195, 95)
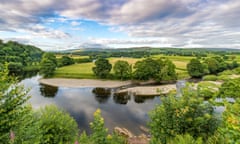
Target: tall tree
point(122, 69)
point(167, 71)
point(66, 60)
point(213, 65)
point(102, 68)
point(48, 64)
point(195, 68)
point(146, 69)
point(14, 112)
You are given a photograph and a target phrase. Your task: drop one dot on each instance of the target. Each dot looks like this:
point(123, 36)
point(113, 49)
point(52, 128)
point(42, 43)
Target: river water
point(130, 112)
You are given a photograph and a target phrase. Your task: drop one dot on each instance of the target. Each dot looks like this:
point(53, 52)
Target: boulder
point(123, 132)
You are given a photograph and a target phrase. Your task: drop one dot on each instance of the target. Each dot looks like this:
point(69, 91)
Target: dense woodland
point(189, 118)
point(21, 58)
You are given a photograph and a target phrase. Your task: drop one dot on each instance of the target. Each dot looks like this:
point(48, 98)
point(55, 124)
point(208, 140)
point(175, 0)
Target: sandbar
point(76, 83)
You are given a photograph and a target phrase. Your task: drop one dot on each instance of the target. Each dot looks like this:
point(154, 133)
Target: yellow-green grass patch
point(83, 70)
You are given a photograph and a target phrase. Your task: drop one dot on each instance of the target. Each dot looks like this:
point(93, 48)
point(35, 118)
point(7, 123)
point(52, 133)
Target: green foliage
point(207, 89)
point(84, 139)
point(186, 114)
point(102, 68)
point(13, 108)
point(56, 125)
point(231, 123)
point(230, 88)
point(48, 64)
point(99, 132)
point(15, 52)
point(223, 77)
point(122, 69)
point(195, 68)
point(66, 60)
point(185, 139)
point(146, 69)
point(28, 131)
point(15, 68)
point(167, 70)
point(210, 78)
point(213, 65)
point(115, 139)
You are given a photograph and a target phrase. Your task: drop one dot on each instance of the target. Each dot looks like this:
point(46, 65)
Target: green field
point(81, 71)
point(84, 70)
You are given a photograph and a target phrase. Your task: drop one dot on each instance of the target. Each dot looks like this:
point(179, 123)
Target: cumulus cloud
point(184, 23)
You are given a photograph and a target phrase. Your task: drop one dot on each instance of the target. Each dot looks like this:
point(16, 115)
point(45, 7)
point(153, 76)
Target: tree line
point(160, 70)
point(211, 65)
point(21, 58)
point(140, 52)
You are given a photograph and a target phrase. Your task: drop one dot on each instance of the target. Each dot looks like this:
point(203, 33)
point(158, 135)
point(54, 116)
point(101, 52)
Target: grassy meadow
point(84, 70)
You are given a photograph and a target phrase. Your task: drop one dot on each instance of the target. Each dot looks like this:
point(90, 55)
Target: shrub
point(207, 89)
point(210, 78)
point(56, 125)
point(185, 139)
point(99, 132)
point(181, 115)
point(230, 127)
point(223, 77)
point(230, 88)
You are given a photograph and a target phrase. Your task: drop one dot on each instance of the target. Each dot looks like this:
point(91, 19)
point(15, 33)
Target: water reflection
point(142, 99)
point(48, 91)
point(121, 98)
point(117, 110)
point(101, 94)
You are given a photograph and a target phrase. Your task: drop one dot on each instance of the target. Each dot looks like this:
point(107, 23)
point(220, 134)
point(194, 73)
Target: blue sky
point(67, 24)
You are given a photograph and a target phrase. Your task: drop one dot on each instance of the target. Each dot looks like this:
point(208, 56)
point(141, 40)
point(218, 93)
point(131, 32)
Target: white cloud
point(188, 23)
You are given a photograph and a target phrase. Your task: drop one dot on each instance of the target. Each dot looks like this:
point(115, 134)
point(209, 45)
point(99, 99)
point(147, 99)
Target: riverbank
point(76, 83)
point(135, 89)
point(149, 90)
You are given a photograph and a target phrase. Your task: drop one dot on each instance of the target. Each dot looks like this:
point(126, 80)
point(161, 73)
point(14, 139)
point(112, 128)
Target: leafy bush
point(230, 88)
point(99, 132)
point(186, 114)
point(210, 78)
point(56, 125)
point(185, 139)
point(14, 112)
point(226, 72)
point(195, 68)
point(223, 77)
point(230, 128)
point(207, 89)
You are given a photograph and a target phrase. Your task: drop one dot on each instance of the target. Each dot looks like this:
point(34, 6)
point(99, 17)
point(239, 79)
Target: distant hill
point(146, 51)
point(19, 53)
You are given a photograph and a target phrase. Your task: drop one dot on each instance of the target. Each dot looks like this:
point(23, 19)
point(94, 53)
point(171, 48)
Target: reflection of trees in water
point(48, 91)
point(27, 74)
point(121, 98)
point(142, 99)
point(101, 94)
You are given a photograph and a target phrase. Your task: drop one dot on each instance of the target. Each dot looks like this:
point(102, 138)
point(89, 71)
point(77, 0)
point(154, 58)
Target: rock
point(144, 129)
point(123, 132)
point(139, 140)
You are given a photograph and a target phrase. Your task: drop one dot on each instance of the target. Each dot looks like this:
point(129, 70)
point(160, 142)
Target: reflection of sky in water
point(81, 103)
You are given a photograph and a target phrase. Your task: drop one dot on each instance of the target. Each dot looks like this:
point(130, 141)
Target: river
point(129, 112)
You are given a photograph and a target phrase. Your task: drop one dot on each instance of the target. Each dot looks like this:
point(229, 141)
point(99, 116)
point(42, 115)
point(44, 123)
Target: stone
point(123, 132)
